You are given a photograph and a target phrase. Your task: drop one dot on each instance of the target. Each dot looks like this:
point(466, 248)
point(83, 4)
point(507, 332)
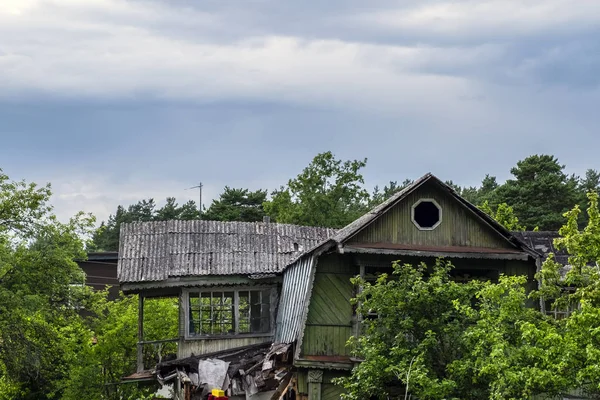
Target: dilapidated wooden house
point(287, 288)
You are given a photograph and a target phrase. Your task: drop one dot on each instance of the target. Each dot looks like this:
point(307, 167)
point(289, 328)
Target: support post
point(315, 379)
point(140, 346)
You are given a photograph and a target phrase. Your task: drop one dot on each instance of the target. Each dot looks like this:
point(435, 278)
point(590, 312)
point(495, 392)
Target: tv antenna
point(200, 199)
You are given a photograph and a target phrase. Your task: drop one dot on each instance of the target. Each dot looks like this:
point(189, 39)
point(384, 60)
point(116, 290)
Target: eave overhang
point(435, 251)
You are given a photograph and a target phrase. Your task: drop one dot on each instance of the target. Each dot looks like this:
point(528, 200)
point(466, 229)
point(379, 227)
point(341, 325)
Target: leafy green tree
point(40, 328)
point(434, 338)
point(237, 205)
point(514, 350)
point(540, 193)
point(113, 352)
point(504, 215)
point(380, 195)
point(591, 182)
point(417, 335)
point(578, 294)
point(173, 211)
point(329, 192)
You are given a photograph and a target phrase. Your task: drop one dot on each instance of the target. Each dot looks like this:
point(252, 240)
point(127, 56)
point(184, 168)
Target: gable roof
point(359, 224)
point(156, 251)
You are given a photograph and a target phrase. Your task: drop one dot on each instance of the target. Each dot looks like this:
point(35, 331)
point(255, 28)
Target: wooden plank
point(330, 391)
point(330, 303)
point(326, 340)
point(315, 379)
point(302, 377)
point(140, 346)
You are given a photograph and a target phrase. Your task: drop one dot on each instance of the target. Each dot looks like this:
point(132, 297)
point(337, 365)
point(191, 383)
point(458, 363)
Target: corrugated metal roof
point(155, 251)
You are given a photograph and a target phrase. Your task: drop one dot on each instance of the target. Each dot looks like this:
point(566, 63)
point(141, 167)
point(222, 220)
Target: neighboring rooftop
point(543, 243)
point(156, 251)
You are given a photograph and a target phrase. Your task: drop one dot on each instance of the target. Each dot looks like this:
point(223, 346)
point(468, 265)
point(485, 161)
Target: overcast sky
point(113, 101)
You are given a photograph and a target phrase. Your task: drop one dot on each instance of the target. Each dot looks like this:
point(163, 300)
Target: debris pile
point(251, 372)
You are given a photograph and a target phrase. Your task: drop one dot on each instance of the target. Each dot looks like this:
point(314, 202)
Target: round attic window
point(426, 214)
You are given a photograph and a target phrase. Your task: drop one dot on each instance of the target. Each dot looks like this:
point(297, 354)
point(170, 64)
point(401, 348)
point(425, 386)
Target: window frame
point(236, 291)
point(412, 214)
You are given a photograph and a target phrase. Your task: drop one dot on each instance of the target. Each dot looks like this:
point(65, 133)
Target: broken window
point(229, 312)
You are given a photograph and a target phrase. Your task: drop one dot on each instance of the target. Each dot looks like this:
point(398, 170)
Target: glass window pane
point(213, 313)
point(260, 311)
point(194, 315)
point(244, 312)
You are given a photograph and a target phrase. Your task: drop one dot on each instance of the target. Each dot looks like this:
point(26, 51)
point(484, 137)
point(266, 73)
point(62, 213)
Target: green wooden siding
point(302, 382)
point(330, 318)
point(330, 391)
point(330, 314)
point(459, 226)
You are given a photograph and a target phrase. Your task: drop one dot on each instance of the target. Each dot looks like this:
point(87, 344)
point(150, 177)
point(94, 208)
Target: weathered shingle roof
point(543, 243)
point(155, 251)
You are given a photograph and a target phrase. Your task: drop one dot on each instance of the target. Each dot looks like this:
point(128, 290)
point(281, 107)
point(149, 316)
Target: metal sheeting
point(155, 251)
point(293, 301)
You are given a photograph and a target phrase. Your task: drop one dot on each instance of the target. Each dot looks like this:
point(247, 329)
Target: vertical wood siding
point(302, 377)
point(329, 321)
point(459, 227)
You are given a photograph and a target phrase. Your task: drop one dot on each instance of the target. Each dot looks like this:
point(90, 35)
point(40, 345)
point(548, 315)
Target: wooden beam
point(302, 363)
point(208, 281)
point(315, 380)
point(140, 345)
point(436, 254)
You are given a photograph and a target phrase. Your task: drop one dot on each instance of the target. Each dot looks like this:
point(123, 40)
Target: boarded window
point(229, 312)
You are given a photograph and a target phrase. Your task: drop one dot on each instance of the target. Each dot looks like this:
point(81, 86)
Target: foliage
point(329, 192)
point(379, 196)
point(540, 193)
point(579, 293)
point(504, 215)
point(237, 205)
point(106, 237)
point(40, 329)
point(449, 340)
point(514, 350)
point(590, 182)
point(416, 336)
point(113, 353)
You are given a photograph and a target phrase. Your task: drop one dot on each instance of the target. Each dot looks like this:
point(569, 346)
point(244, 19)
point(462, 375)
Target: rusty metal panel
point(156, 251)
